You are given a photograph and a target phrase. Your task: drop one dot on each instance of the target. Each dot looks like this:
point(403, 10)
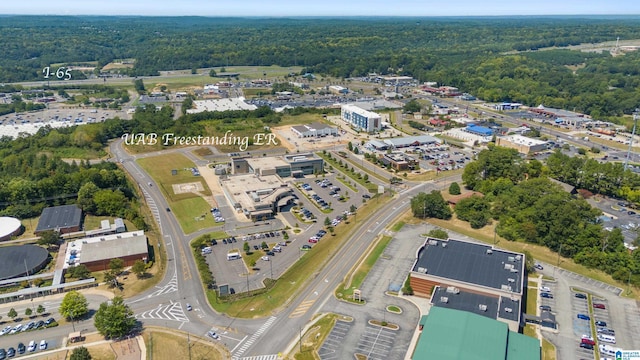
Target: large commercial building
point(470, 276)
point(399, 161)
point(296, 165)
point(361, 119)
point(63, 219)
point(523, 144)
point(258, 197)
point(448, 334)
point(228, 104)
point(96, 252)
point(315, 129)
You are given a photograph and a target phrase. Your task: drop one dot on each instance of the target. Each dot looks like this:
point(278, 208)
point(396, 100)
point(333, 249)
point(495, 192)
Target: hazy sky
point(321, 7)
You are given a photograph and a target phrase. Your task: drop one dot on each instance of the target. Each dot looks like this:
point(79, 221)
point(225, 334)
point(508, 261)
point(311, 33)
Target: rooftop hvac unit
point(444, 245)
point(482, 307)
point(513, 270)
point(505, 287)
point(489, 251)
point(511, 258)
point(422, 270)
point(444, 299)
point(508, 266)
point(518, 257)
point(453, 290)
point(508, 310)
point(433, 242)
point(511, 280)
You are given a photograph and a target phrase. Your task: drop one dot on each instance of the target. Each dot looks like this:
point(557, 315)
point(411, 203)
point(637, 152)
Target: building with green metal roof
point(450, 334)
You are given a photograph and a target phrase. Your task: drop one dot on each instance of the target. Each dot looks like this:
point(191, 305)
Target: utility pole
point(633, 133)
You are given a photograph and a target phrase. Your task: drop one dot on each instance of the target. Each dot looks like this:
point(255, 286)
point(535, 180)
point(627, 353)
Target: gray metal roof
point(466, 301)
point(473, 263)
point(59, 217)
point(111, 249)
point(411, 140)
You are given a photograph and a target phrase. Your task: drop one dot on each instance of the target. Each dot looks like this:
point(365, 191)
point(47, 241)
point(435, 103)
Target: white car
point(545, 289)
point(43, 344)
point(16, 329)
point(6, 330)
point(588, 337)
point(32, 346)
point(265, 258)
point(212, 334)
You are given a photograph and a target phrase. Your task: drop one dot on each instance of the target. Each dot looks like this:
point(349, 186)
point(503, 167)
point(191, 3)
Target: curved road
point(165, 304)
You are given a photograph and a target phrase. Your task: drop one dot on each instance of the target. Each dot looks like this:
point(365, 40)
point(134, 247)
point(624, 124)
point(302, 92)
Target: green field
point(191, 210)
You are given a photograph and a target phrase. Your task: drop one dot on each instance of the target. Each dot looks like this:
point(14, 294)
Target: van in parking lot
point(607, 338)
point(233, 256)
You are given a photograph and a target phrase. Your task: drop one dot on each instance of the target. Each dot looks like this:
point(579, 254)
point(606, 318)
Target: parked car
point(545, 307)
point(189, 308)
point(43, 344)
point(212, 334)
point(580, 296)
point(586, 346)
point(49, 321)
point(583, 317)
point(546, 295)
point(538, 266)
point(601, 323)
point(599, 306)
point(22, 348)
point(265, 258)
point(545, 289)
point(305, 247)
point(11, 352)
point(32, 345)
point(588, 341)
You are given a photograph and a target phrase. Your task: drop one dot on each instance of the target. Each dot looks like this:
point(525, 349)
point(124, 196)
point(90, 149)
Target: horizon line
point(332, 16)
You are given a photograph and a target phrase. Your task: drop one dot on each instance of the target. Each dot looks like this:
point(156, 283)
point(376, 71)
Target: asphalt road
point(164, 306)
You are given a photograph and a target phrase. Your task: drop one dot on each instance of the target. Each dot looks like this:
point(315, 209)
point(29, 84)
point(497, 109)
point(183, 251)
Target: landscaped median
point(343, 167)
point(354, 280)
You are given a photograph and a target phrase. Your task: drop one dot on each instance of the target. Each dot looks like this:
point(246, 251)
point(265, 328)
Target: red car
point(588, 341)
point(313, 241)
point(599, 306)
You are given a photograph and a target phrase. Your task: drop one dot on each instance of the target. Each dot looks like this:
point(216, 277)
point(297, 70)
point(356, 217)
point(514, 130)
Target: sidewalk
point(130, 349)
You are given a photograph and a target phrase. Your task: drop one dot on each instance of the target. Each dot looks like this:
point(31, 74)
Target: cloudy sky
point(321, 8)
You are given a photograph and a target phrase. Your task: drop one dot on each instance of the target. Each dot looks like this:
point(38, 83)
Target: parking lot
point(274, 262)
point(332, 346)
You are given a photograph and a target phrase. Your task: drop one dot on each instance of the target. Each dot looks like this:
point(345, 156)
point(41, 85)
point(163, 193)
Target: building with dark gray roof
point(479, 273)
point(64, 219)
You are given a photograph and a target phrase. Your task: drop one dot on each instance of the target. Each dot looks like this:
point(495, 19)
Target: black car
point(39, 324)
point(11, 352)
point(256, 247)
point(214, 242)
point(49, 321)
point(631, 212)
point(580, 296)
point(168, 210)
point(366, 196)
point(233, 238)
point(271, 253)
point(545, 307)
point(21, 348)
point(586, 346)
point(3, 354)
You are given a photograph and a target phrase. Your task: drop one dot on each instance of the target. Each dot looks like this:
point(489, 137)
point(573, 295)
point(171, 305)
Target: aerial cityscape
point(316, 182)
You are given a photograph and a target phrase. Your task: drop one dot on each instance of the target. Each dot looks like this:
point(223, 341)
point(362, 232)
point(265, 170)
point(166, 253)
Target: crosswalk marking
point(261, 357)
point(173, 311)
point(172, 286)
point(253, 338)
point(302, 308)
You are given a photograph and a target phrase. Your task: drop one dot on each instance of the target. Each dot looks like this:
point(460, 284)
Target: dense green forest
point(533, 209)
point(478, 55)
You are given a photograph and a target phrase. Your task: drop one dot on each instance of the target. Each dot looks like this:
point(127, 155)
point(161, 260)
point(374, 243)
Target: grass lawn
point(345, 290)
point(314, 337)
point(290, 282)
point(542, 253)
point(166, 345)
point(258, 72)
point(532, 299)
point(188, 208)
point(256, 92)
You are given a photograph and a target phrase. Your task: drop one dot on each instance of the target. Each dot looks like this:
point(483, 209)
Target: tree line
point(497, 59)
